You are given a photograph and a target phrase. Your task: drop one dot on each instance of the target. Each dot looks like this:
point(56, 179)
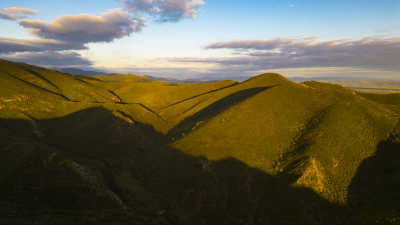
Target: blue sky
point(177, 38)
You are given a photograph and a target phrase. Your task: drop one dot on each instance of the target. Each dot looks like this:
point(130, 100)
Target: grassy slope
point(263, 151)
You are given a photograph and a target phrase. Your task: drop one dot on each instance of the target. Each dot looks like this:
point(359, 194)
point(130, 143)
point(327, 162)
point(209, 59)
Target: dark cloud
point(371, 52)
point(50, 58)
point(164, 10)
point(139, 5)
point(14, 13)
point(85, 28)
point(8, 45)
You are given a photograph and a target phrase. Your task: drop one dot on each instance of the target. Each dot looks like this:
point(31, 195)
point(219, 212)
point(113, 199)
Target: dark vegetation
point(130, 150)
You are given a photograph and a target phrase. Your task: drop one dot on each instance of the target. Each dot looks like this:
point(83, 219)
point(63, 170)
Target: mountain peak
point(269, 78)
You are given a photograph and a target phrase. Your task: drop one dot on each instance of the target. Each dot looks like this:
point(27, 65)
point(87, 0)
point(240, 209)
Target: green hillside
point(124, 149)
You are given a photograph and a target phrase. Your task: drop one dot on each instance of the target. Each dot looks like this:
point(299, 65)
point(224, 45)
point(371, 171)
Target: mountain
point(383, 86)
point(125, 149)
point(76, 71)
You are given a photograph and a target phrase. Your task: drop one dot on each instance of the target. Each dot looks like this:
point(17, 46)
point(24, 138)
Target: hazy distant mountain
point(75, 71)
point(125, 149)
point(216, 78)
point(174, 80)
point(195, 80)
point(359, 84)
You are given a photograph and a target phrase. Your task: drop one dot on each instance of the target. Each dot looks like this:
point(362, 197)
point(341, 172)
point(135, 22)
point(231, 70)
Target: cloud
point(300, 52)
point(68, 32)
point(74, 32)
point(14, 13)
point(164, 10)
point(8, 45)
point(86, 28)
point(50, 58)
point(261, 44)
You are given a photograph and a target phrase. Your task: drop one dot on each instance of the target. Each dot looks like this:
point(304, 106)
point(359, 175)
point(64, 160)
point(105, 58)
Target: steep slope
point(62, 85)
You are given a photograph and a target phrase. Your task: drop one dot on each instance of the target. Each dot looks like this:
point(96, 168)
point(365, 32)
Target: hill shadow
point(40, 76)
point(195, 96)
point(300, 144)
point(38, 87)
point(212, 110)
point(97, 132)
point(374, 192)
point(106, 169)
point(64, 170)
point(194, 190)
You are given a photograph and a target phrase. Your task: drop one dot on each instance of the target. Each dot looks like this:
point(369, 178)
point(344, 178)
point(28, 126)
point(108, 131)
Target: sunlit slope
point(391, 101)
point(123, 78)
point(61, 85)
point(33, 92)
point(156, 94)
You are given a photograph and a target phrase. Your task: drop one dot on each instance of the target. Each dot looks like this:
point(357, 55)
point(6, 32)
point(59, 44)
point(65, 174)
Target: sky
point(207, 38)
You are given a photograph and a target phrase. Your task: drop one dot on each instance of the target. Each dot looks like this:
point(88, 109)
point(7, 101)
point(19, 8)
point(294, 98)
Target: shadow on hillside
point(64, 170)
point(113, 159)
point(212, 110)
point(158, 184)
point(195, 96)
point(195, 190)
point(94, 132)
point(296, 153)
point(40, 88)
point(41, 77)
point(374, 192)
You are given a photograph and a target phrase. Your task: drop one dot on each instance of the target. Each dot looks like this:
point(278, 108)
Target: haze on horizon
point(206, 38)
